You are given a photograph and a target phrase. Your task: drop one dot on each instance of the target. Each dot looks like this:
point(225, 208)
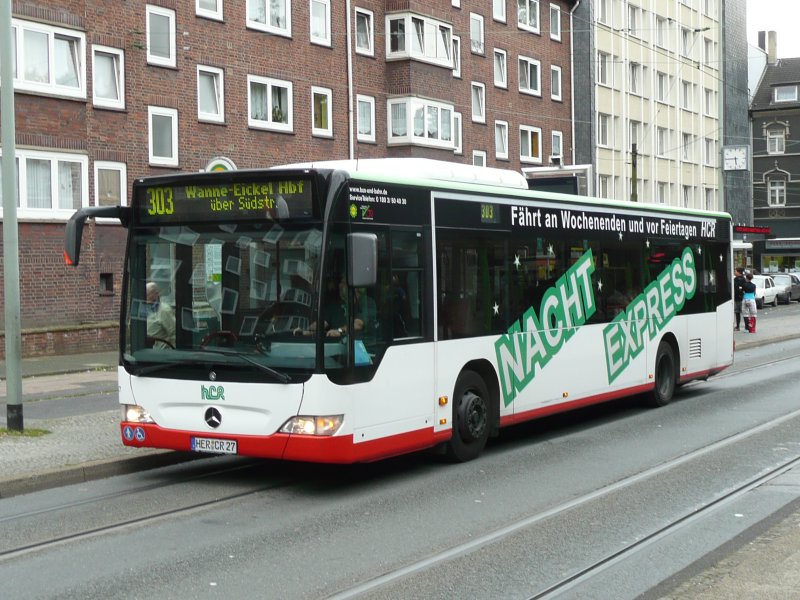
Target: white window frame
point(479, 158)
point(687, 150)
point(604, 186)
point(635, 83)
point(709, 52)
point(687, 42)
point(457, 56)
point(687, 196)
point(53, 211)
point(687, 95)
point(634, 133)
point(282, 30)
point(555, 83)
point(709, 152)
point(537, 91)
point(709, 102)
point(604, 131)
point(602, 12)
point(119, 66)
point(162, 161)
point(500, 68)
point(776, 192)
point(633, 20)
point(501, 140)
point(662, 87)
point(476, 46)
point(215, 15)
point(710, 198)
point(365, 137)
point(528, 130)
point(318, 131)
point(556, 135)
point(269, 123)
point(219, 85)
point(458, 138)
point(444, 121)
point(662, 141)
point(50, 86)
point(531, 7)
point(791, 97)
point(499, 10)
point(370, 19)
point(480, 116)
point(662, 192)
point(662, 32)
point(160, 61)
point(324, 40)
point(122, 168)
point(605, 69)
point(555, 22)
point(776, 141)
point(431, 49)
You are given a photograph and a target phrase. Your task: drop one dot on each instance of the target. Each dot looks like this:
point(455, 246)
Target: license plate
point(214, 446)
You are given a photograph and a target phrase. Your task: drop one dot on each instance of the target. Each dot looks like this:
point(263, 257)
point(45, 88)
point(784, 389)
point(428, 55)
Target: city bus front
point(220, 306)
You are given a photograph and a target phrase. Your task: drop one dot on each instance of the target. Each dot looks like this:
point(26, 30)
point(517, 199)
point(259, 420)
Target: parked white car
point(766, 291)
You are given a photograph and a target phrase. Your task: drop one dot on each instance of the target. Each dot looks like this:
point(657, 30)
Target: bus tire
point(665, 380)
point(471, 418)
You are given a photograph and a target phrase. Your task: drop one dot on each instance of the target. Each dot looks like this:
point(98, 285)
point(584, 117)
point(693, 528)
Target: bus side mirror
point(362, 250)
point(74, 229)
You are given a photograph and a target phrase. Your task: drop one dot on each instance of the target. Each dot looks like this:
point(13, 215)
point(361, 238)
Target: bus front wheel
point(470, 419)
point(665, 370)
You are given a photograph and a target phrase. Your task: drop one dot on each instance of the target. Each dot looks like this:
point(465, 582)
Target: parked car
point(792, 283)
point(766, 291)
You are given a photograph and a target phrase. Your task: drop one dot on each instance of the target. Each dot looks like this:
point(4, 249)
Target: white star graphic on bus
point(496, 308)
point(599, 285)
point(647, 243)
point(720, 258)
point(516, 261)
point(550, 249)
point(699, 249)
point(620, 236)
point(712, 277)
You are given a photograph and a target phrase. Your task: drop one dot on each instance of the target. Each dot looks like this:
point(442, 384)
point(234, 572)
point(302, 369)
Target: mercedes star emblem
point(213, 417)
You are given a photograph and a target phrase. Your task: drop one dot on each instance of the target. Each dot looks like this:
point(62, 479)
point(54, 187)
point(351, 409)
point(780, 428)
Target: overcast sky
point(781, 16)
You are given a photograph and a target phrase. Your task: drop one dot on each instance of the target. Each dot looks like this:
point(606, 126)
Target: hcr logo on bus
point(212, 392)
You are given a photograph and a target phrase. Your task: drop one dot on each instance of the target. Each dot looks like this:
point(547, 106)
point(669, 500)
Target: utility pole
point(634, 176)
point(10, 233)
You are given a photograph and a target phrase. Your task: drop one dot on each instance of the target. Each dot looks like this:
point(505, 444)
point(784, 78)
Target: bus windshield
point(237, 294)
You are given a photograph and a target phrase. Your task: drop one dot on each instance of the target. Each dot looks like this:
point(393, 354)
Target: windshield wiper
point(282, 377)
point(135, 370)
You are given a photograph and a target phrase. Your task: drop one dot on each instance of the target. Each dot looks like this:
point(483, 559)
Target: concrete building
point(648, 94)
point(108, 92)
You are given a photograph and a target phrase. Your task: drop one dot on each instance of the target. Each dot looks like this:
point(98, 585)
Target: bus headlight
point(135, 414)
point(313, 425)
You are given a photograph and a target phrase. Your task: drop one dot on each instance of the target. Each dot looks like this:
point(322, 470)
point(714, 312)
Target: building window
point(269, 103)
point(662, 87)
point(321, 23)
point(110, 183)
point(711, 200)
point(786, 93)
point(428, 40)
point(50, 184)
point(160, 36)
point(530, 78)
point(555, 83)
point(501, 140)
point(662, 32)
point(603, 130)
point(709, 53)
point(555, 22)
point(556, 144)
point(366, 119)
point(662, 192)
point(635, 78)
point(602, 11)
point(479, 158)
point(686, 147)
point(272, 16)
point(604, 186)
point(633, 20)
point(108, 73)
point(499, 10)
point(709, 102)
point(321, 112)
point(163, 136)
point(48, 59)
point(530, 144)
point(478, 102)
point(687, 92)
point(456, 56)
point(500, 68)
point(662, 141)
point(686, 195)
point(210, 94)
point(687, 41)
point(776, 141)
point(604, 68)
point(476, 33)
point(528, 15)
point(364, 32)
point(777, 192)
point(710, 152)
point(457, 137)
point(634, 128)
point(420, 122)
point(210, 9)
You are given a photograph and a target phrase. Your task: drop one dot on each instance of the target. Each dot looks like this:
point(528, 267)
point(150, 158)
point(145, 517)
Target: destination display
point(229, 200)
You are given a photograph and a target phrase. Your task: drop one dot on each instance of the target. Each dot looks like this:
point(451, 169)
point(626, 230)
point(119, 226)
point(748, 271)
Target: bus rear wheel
point(665, 380)
point(471, 418)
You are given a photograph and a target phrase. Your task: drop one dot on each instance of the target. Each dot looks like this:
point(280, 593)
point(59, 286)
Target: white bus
point(465, 302)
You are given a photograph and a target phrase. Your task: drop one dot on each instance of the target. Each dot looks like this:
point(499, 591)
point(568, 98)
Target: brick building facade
point(108, 92)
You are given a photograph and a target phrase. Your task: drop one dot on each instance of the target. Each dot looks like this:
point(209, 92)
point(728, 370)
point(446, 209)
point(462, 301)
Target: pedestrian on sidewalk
point(749, 308)
point(738, 294)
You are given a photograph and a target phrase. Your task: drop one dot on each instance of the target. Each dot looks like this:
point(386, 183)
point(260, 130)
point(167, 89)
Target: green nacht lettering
point(649, 313)
point(531, 342)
